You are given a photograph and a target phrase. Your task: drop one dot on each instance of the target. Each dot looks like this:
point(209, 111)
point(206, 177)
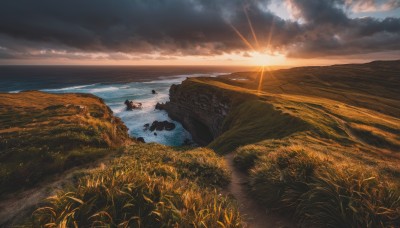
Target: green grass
point(320, 143)
point(148, 186)
point(253, 121)
point(42, 134)
point(319, 193)
point(247, 156)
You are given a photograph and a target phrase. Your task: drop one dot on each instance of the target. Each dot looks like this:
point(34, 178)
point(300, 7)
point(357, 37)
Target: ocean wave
point(115, 95)
point(105, 89)
point(69, 88)
point(173, 79)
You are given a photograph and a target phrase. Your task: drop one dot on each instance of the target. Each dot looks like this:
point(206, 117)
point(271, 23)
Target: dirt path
point(14, 207)
point(255, 215)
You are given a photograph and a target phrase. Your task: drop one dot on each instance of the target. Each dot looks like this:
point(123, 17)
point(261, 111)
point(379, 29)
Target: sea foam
point(115, 94)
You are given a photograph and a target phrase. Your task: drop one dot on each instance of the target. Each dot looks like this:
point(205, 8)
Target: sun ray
point(245, 41)
point(271, 30)
point(260, 80)
point(251, 27)
point(259, 50)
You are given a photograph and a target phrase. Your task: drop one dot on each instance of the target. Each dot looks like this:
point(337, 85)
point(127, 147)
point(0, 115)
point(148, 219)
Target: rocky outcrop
point(130, 105)
point(160, 106)
point(200, 108)
point(160, 126)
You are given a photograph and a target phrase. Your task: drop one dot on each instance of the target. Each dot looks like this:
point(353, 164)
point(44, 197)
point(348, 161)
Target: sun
point(265, 59)
point(259, 51)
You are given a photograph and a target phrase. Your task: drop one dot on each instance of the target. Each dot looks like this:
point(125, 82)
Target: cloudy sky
point(206, 32)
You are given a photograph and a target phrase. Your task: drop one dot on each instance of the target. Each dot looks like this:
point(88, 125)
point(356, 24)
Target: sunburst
point(261, 55)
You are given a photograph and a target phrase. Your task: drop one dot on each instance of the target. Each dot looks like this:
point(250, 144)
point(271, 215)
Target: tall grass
point(348, 198)
point(137, 190)
point(247, 156)
point(43, 134)
point(319, 193)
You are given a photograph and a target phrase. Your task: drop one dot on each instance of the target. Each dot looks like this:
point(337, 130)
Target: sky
point(198, 32)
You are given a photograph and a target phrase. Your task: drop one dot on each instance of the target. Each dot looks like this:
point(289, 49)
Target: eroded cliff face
point(200, 108)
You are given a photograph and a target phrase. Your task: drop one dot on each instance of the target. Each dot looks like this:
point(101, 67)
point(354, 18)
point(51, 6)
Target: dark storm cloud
point(190, 27)
point(123, 25)
point(320, 11)
point(329, 31)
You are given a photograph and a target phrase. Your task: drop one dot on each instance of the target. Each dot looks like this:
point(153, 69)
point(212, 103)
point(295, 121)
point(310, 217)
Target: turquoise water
point(114, 96)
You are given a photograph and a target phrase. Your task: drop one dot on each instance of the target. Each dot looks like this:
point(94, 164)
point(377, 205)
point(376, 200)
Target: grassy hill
point(42, 134)
point(372, 86)
point(319, 145)
point(137, 185)
point(148, 186)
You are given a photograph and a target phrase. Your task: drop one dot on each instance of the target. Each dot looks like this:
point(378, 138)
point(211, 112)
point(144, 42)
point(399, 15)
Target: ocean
point(114, 84)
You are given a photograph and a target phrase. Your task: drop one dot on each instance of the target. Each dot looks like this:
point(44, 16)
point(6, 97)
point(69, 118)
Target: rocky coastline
point(201, 109)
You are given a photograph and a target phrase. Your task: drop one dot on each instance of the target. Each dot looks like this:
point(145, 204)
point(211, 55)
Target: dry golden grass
point(149, 186)
point(320, 144)
point(346, 137)
point(42, 134)
point(352, 110)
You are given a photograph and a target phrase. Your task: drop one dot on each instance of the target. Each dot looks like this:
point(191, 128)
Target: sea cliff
point(201, 108)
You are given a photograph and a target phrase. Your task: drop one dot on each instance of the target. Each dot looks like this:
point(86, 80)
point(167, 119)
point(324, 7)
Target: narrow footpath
point(17, 206)
point(255, 216)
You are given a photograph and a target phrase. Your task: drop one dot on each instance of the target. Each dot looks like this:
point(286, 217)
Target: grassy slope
point(42, 134)
point(334, 129)
point(363, 135)
point(146, 185)
point(373, 85)
point(310, 151)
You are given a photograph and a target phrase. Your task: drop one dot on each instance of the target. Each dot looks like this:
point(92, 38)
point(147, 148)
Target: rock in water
point(130, 105)
point(141, 139)
point(160, 106)
point(169, 126)
point(127, 103)
point(162, 125)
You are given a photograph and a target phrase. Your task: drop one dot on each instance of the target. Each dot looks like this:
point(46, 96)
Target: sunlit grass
point(43, 134)
point(317, 149)
point(339, 167)
point(320, 193)
point(150, 186)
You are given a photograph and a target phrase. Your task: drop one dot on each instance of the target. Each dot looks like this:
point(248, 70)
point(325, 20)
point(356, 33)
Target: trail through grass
point(255, 216)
